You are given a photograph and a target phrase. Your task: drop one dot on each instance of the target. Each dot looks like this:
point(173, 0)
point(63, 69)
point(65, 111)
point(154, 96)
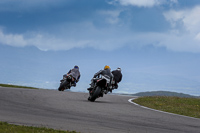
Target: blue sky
point(155, 42)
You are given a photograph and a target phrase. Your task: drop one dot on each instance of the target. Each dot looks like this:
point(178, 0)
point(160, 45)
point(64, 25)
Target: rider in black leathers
point(75, 73)
point(117, 77)
point(106, 73)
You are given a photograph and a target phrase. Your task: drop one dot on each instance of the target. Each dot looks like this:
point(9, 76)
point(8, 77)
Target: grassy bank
point(10, 128)
point(16, 86)
point(183, 106)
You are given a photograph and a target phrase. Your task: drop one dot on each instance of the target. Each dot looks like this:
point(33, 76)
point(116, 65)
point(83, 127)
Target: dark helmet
point(76, 66)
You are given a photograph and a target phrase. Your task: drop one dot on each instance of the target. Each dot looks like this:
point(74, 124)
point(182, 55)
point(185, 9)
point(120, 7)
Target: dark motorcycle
point(66, 83)
point(101, 86)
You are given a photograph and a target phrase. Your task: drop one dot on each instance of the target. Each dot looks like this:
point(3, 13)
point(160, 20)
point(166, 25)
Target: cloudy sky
point(155, 42)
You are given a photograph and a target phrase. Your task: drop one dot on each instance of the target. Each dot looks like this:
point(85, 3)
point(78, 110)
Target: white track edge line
point(130, 100)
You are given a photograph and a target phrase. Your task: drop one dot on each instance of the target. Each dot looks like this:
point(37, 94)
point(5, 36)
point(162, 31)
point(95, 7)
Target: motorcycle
point(66, 83)
point(101, 86)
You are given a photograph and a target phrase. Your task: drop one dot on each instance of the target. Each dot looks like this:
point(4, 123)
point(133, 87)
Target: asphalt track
point(72, 111)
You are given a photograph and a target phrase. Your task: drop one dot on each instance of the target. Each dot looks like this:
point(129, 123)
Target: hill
point(162, 93)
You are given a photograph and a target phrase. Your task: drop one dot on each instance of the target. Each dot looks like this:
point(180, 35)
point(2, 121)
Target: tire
point(96, 93)
point(62, 86)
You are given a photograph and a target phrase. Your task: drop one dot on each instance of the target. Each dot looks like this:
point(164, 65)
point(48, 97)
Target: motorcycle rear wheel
point(62, 85)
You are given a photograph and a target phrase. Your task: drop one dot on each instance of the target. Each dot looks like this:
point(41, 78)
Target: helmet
point(76, 66)
point(119, 69)
point(106, 67)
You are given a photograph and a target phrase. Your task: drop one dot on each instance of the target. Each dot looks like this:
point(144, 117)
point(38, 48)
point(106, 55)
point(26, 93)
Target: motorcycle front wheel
point(95, 94)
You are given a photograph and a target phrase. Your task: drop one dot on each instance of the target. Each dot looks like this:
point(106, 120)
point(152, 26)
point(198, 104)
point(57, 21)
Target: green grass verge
point(16, 86)
point(10, 128)
point(183, 106)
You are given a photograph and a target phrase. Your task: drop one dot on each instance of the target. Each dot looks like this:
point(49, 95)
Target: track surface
point(72, 111)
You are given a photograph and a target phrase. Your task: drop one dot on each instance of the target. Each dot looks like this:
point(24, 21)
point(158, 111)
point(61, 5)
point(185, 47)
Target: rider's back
point(105, 73)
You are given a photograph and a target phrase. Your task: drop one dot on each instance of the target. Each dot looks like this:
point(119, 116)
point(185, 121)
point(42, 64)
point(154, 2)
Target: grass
point(182, 106)
point(10, 128)
point(16, 86)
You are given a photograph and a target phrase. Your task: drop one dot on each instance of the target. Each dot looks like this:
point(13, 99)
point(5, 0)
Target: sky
point(155, 42)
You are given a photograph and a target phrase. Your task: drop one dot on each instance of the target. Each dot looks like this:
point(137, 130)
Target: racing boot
point(91, 87)
point(73, 84)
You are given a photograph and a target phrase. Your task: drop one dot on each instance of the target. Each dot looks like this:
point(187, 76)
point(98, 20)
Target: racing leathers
point(117, 77)
point(75, 74)
point(103, 73)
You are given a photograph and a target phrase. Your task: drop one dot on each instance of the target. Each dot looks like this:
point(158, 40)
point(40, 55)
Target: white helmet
point(119, 69)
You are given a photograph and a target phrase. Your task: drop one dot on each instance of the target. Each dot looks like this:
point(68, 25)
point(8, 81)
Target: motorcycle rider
point(117, 77)
point(75, 73)
point(106, 73)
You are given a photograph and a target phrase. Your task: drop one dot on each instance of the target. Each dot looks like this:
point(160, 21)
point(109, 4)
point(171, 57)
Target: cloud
point(13, 40)
point(186, 23)
point(144, 3)
point(19, 40)
point(181, 43)
point(197, 37)
point(28, 5)
point(110, 30)
point(102, 39)
point(140, 3)
point(169, 40)
point(46, 41)
point(111, 16)
point(188, 18)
